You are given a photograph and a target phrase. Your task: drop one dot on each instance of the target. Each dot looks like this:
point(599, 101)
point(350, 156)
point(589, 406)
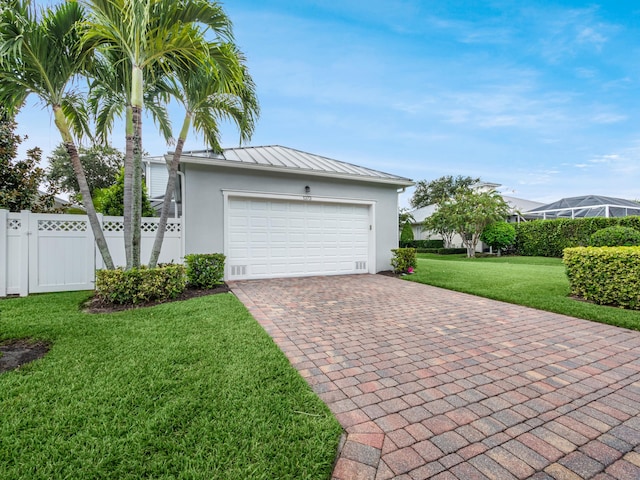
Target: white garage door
point(276, 238)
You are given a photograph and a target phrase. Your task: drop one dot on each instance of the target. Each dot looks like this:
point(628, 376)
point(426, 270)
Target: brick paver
point(429, 383)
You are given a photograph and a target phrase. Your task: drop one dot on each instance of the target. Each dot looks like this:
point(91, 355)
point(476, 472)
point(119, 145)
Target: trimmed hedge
point(605, 275)
point(429, 244)
point(442, 251)
point(548, 238)
point(205, 270)
point(141, 285)
point(616, 236)
point(404, 260)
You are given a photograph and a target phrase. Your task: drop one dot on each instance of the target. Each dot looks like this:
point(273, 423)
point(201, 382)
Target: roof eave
point(400, 182)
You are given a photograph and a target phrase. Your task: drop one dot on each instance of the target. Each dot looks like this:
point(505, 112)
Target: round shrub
point(615, 237)
point(499, 235)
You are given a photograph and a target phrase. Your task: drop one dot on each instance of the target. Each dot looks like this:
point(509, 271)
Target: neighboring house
point(585, 206)
point(518, 207)
point(279, 212)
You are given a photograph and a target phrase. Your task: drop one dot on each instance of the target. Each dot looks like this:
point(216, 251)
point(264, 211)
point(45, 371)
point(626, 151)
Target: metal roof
point(278, 158)
point(587, 206)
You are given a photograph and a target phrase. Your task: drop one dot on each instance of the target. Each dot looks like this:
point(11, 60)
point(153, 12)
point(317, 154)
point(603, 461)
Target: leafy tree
point(148, 38)
point(19, 180)
point(469, 212)
point(499, 235)
point(440, 223)
point(110, 200)
point(41, 53)
point(219, 89)
point(440, 190)
point(101, 164)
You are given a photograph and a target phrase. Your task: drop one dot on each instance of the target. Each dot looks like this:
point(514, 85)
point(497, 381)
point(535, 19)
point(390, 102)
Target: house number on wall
point(306, 197)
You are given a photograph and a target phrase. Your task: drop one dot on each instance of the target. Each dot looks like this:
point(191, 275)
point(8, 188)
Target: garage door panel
point(271, 238)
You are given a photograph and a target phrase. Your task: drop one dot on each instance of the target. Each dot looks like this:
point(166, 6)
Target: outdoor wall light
point(307, 189)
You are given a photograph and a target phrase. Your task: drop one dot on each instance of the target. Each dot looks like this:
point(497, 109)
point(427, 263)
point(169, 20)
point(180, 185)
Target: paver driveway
point(430, 383)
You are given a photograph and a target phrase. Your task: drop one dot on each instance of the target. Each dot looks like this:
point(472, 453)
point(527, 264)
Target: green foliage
point(140, 285)
point(19, 180)
point(440, 190)
point(205, 270)
point(605, 275)
point(450, 251)
point(469, 212)
point(403, 260)
point(441, 224)
point(548, 238)
point(616, 236)
point(101, 166)
point(499, 235)
point(406, 235)
point(110, 201)
point(429, 243)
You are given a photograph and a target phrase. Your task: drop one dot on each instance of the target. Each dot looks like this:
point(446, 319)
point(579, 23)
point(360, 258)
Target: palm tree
point(219, 89)
point(150, 36)
point(41, 53)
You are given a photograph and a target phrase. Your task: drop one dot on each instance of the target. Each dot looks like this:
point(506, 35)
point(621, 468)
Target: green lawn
point(192, 389)
point(536, 282)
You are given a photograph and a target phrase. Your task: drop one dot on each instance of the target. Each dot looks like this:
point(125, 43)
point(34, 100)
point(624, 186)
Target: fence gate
point(61, 253)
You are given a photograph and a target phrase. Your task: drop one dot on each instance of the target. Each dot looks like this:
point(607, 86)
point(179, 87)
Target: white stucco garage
point(279, 212)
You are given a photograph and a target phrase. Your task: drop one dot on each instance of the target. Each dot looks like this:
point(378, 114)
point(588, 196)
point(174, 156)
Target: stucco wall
point(204, 216)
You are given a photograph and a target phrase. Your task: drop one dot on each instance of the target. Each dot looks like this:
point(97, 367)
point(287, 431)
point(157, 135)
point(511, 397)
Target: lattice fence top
point(113, 226)
point(15, 224)
point(62, 225)
point(146, 226)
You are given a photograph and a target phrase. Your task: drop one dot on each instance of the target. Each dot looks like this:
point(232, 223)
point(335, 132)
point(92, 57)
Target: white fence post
point(4, 267)
point(25, 222)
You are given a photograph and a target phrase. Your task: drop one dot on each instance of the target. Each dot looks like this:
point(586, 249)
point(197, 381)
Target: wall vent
point(362, 265)
point(238, 270)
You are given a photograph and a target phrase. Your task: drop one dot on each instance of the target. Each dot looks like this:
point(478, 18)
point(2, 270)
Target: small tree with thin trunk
point(470, 212)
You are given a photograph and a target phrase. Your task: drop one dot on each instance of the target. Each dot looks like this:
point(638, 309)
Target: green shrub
point(451, 251)
point(406, 235)
point(428, 243)
point(616, 236)
point(499, 235)
point(404, 260)
point(605, 275)
point(205, 270)
point(140, 285)
point(548, 238)
point(427, 250)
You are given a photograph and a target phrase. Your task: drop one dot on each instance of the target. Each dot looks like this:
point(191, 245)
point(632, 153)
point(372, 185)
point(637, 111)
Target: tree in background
point(101, 164)
point(441, 224)
point(469, 212)
point(110, 200)
point(438, 191)
point(499, 235)
point(20, 179)
point(406, 235)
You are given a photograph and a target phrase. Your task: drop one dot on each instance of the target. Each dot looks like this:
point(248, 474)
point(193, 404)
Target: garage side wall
point(204, 203)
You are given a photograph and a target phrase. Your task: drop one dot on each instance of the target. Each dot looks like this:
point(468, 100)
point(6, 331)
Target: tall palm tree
point(218, 89)
point(150, 36)
point(41, 53)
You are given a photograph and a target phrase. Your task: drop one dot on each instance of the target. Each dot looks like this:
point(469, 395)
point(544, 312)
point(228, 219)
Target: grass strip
point(192, 389)
point(537, 282)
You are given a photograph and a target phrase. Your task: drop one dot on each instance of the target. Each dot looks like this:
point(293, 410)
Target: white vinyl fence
point(56, 253)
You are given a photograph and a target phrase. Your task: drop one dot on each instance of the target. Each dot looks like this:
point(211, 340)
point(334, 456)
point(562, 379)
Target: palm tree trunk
point(168, 193)
point(128, 183)
point(137, 85)
point(87, 201)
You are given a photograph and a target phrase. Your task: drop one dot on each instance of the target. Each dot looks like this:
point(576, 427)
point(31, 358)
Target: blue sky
point(540, 97)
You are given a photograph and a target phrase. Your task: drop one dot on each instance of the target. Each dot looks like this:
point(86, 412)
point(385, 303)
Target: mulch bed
point(94, 305)
point(15, 353)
